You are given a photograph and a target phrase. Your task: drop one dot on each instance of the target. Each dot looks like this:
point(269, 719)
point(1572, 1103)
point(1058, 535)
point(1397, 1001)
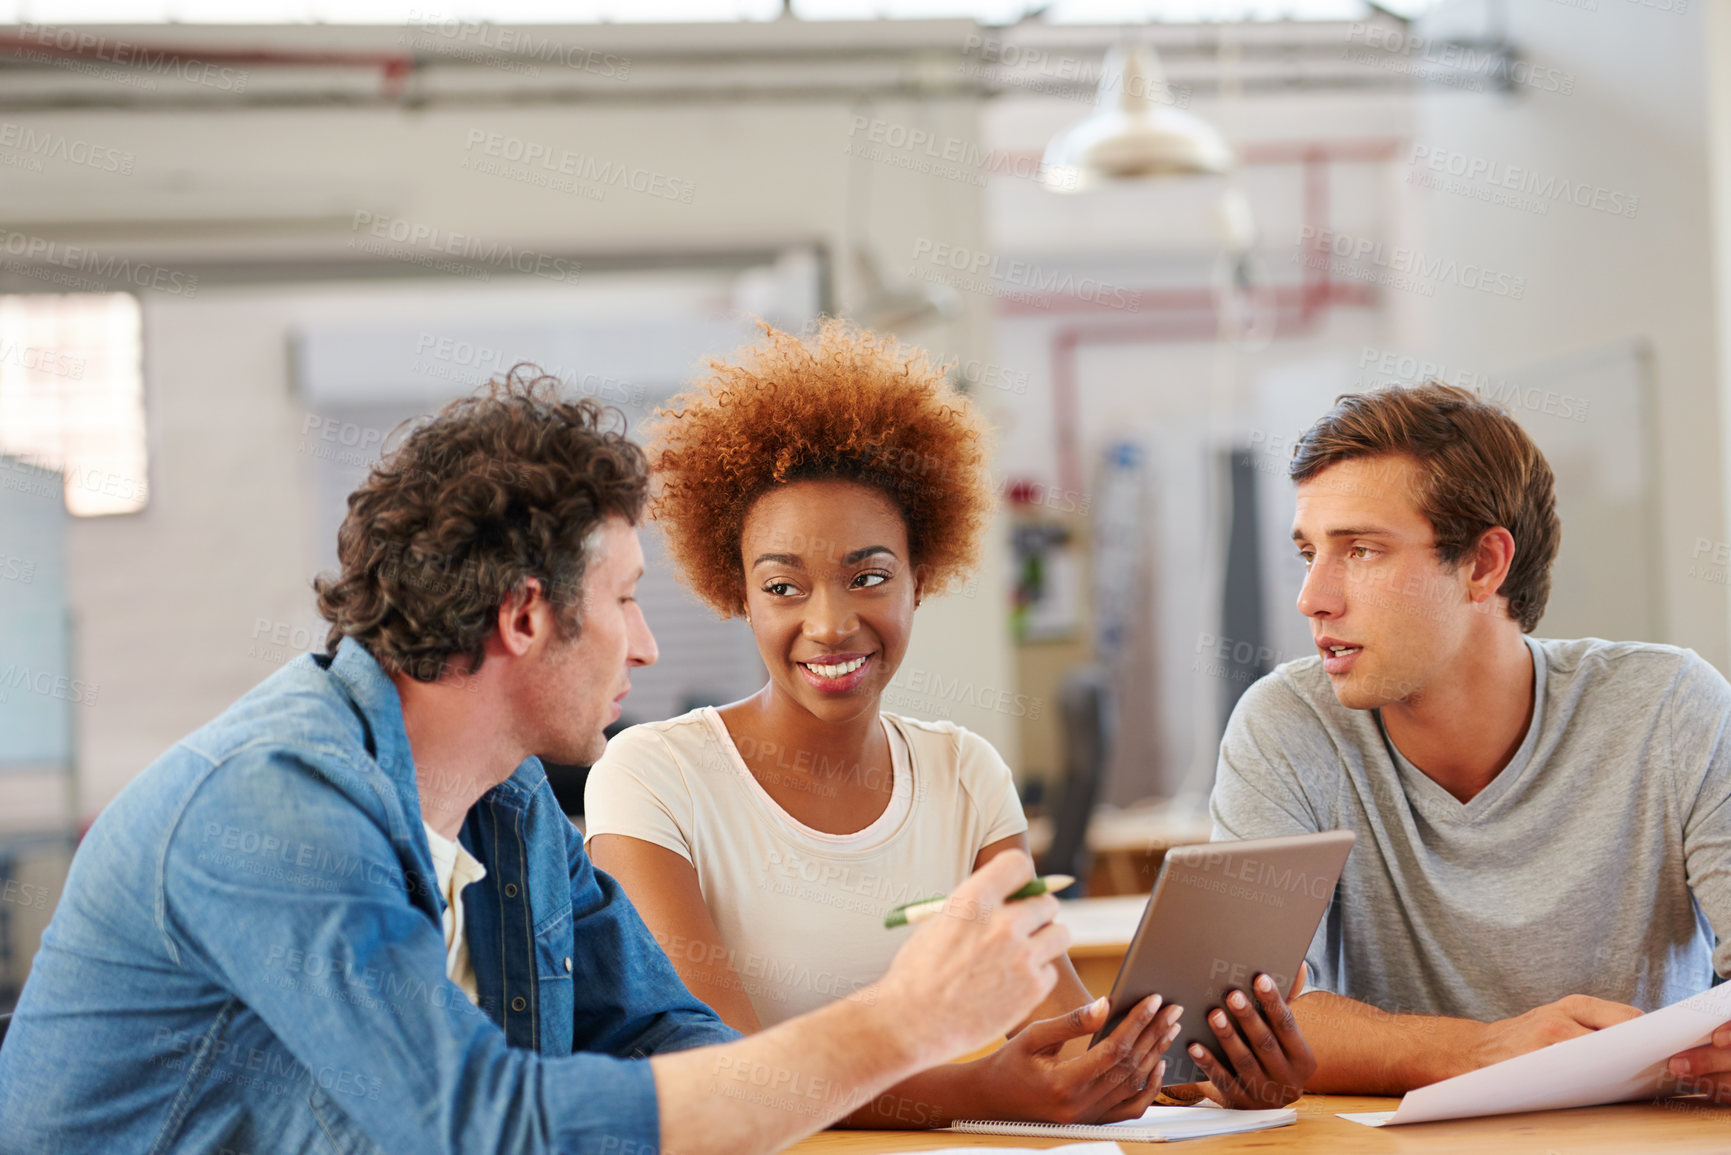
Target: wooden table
point(1676, 1127)
point(1128, 843)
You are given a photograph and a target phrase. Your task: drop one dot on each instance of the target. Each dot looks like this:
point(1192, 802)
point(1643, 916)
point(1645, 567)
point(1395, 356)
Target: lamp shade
point(1134, 131)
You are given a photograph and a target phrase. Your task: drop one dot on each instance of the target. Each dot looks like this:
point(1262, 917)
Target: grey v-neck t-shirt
point(1598, 862)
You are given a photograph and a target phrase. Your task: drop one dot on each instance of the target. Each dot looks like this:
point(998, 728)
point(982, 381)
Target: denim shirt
point(248, 958)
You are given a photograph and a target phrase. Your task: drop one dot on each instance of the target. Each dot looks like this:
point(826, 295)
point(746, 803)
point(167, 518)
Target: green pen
point(910, 913)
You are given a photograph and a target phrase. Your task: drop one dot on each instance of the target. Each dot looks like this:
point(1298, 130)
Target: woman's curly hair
point(499, 487)
point(844, 405)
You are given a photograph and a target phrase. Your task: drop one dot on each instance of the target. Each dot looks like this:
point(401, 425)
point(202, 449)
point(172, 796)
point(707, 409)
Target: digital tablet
point(1220, 914)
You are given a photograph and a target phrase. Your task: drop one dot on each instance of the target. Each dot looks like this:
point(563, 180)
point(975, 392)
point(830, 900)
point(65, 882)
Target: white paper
point(1615, 1065)
point(1196, 1122)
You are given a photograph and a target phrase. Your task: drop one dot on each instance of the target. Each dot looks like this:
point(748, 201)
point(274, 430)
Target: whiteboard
point(1591, 415)
point(37, 689)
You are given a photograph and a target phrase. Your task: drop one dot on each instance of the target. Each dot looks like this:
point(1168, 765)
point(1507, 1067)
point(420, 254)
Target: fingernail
point(1218, 1018)
point(1265, 984)
point(1196, 1051)
point(1099, 1004)
point(1679, 1066)
point(1238, 1001)
point(1178, 1011)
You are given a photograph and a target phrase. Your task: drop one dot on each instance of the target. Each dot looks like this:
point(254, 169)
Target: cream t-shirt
point(801, 911)
point(456, 868)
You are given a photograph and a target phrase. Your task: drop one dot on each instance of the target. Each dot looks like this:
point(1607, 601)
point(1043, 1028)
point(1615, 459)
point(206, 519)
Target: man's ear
point(1491, 562)
point(524, 616)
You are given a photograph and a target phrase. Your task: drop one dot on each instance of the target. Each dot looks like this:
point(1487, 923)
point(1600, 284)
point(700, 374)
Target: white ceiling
point(993, 12)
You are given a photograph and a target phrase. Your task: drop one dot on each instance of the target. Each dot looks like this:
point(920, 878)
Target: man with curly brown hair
point(349, 915)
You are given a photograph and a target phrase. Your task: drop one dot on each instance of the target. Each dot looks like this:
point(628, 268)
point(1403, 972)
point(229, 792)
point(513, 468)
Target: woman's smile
point(836, 673)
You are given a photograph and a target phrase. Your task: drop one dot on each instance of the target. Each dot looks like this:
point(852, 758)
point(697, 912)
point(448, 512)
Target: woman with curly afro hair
point(822, 489)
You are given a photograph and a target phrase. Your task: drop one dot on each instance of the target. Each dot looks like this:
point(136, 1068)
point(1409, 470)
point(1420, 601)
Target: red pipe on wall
point(394, 67)
point(1193, 314)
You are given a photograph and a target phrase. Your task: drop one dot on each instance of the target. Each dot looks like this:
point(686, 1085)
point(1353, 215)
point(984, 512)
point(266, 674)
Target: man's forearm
point(773, 1088)
point(1361, 1050)
point(932, 1098)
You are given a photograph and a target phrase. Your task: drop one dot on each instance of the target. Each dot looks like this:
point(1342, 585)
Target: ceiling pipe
point(394, 67)
point(1191, 314)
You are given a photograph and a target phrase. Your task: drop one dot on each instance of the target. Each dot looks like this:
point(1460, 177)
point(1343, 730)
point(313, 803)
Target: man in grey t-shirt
point(1544, 827)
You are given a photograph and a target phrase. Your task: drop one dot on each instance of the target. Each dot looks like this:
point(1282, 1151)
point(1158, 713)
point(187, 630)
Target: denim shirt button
point(510, 890)
point(519, 1003)
point(567, 964)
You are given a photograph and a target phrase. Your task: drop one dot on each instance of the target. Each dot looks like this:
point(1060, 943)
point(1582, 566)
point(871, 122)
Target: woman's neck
point(833, 775)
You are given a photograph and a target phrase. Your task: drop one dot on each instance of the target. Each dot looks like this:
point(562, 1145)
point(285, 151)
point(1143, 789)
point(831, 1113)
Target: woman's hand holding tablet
point(1270, 1059)
point(1031, 1076)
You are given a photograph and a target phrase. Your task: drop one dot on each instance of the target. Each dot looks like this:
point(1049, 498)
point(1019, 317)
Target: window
point(72, 395)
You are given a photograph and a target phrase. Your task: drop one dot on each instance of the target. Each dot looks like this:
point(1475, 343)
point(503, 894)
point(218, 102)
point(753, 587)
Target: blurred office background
point(241, 241)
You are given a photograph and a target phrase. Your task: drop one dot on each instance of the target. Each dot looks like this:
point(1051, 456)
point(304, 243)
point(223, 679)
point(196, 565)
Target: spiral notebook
point(1157, 1125)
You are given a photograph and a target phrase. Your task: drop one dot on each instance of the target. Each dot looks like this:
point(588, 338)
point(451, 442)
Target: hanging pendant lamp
point(1134, 131)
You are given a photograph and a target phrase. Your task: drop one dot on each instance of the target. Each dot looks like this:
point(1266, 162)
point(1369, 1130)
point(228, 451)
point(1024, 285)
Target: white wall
point(1636, 124)
point(1594, 285)
point(1717, 39)
point(167, 601)
point(1163, 393)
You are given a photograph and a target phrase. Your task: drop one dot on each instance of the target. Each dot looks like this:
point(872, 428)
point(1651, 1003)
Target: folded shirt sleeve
point(637, 788)
point(293, 901)
point(1259, 788)
point(992, 787)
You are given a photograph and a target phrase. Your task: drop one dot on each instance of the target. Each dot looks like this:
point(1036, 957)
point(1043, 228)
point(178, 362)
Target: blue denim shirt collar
point(381, 708)
point(360, 676)
point(375, 696)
